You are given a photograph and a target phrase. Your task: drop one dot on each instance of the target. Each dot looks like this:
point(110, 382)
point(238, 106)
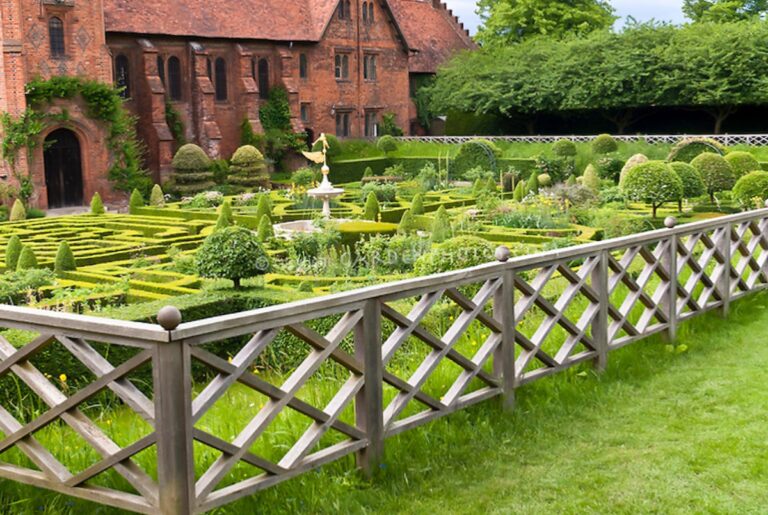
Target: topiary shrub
point(441, 227)
point(653, 182)
point(65, 260)
point(385, 192)
point(604, 144)
point(688, 149)
point(591, 179)
point(264, 208)
point(476, 154)
point(97, 206)
point(520, 192)
point(544, 180)
point(455, 254)
point(371, 210)
point(532, 186)
point(417, 205)
point(632, 162)
point(248, 169)
point(752, 189)
point(136, 201)
point(233, 253)
point(265, 230)
point(225, 216)
point(27, 259)
point(742, 163)
point(693, 185)
point(609, 168)
point(191, 171)
point(157, 197)
point(387, 144)
point(715, 172)
point(18, 212)
point(407, 224)
point(12, 252)
point(564, 148)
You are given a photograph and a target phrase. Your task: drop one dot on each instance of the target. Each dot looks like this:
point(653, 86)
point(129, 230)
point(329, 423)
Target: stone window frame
point(58, 47)
point(341, 60)
point(344, 122)
point(370, 72)
point(368, 13)
point(123, 63)
point(175, 87)
point(303, 66)
point(305, 112)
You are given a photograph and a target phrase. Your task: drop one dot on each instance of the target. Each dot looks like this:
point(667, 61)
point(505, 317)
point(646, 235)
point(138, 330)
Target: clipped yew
point(371, 210)
point(407, 224)
point(157, 197)
point(97, 206)
point(27, 259)
point(18, 212)
point(715, 172)
point(136, 201)
point(225, 216)
point(441, 227)
point(752, 189)
point(248, 169)
point(65, 259)
point(191, 171)
point(12, 252)
point(265, 230)
point(417, 206)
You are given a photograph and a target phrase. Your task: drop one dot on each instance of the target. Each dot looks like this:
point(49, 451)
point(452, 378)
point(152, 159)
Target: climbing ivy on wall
point(103, 103)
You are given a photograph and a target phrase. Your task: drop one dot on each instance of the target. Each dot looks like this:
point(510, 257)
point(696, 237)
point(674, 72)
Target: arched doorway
point(63, 169)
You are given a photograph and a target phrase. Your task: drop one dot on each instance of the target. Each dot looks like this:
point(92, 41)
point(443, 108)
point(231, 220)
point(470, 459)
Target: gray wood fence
point(726, 139)
point(535, 316)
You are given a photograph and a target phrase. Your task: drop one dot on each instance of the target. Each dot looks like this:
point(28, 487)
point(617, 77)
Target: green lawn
point(662, 431)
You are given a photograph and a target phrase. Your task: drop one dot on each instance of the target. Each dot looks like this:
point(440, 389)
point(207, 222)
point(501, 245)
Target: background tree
point(511, 21)
point(723, 10)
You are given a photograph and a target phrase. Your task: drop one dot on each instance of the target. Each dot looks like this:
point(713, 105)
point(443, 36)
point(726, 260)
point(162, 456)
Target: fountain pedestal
point(326, 192)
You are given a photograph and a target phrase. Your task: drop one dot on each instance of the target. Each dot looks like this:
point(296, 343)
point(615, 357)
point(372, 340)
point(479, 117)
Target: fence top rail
point(761, 139)
point(207, 329)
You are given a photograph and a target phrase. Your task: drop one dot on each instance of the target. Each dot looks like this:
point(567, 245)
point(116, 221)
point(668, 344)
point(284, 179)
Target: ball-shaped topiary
point(591, 179)
point(564, 148)
point(248, 169)
point(441, 226)
point(387, 144)
point(157, 197)
point(97, 206)
point(65, 259)
point(12, 252)
point(27, 259)
point(632, 162)
point(371, 210)
point(688, 149)
point(693, 184)
point(455, 254)
point(653, 182)
point(477, 153)
point(233, 253)
point(752, 189)
point(417, 205)
point(604, 144)
point(191, 171)
point(18, 212)
point(544, 180)
point(715, 172)
point(742, 163)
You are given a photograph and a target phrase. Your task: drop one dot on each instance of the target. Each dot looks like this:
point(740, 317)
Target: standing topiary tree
point(407, 224)
point(715, 171)
point(693, 185)
point(248, 169)
point(604, 144)
point(742, 163)
point(18, 212)
point(233, 253)
point(65, 260)
point(27, 259)
point(653, 182)
point(532, 186)
point(264, 208)
point(519, 193)
point(441, 227)
point(157, 197)
point(752, 189)
point(191, 171)
point(371, 211)
point(632, 162)
point(368, 172)
point(591, 179)
point(265, 230)
point(417, 206)
point(225, 216)
point(564, 148)
point(387, 144)
point(97, 206)
point(137, 200)
point(12, 252)
point(491, 186)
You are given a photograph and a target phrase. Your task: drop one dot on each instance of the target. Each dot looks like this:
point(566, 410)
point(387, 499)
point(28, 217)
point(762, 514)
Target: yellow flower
point(63, 378)
point(229, 359)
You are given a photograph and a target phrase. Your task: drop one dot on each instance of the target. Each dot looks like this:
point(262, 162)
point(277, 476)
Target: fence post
point(724, 283)
point(504, 313)
point(600, 323)
point(171, 369)
point(369, 402)
point(669, 261)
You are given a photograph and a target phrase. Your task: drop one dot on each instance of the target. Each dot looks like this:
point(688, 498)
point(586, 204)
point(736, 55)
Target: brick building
point(344, 64)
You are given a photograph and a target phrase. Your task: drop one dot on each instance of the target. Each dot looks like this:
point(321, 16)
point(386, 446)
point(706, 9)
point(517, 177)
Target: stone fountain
point(326, 192)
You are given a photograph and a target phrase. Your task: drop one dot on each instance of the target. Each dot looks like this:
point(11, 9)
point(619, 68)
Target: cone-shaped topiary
point(368, 172)
point(265, 230)
point(478, 186)
point(157, 197)
point(407, 224)
point(18, 212)
point(519, 194)
point(532, 186)
point(12, 252)
point(591, 179)
point(27, 259)
point(191, 171)
point(417, 206)
point(248, 169)
point(233, 253)
point(225, 216)
point(264, 208)
point(97, 206)
point(441, 227)
point(490, 185)
point(371, 207)
point(137, 200)
point(65, 260)
point(571, 181)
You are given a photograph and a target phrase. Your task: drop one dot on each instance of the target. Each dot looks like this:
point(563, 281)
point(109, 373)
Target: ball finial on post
point(670, 222)
point(169, 318)
point(503, 253)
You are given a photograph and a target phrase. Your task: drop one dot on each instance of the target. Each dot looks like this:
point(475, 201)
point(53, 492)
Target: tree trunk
point(680, 206)
point(654, 208)
point(236, 280)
